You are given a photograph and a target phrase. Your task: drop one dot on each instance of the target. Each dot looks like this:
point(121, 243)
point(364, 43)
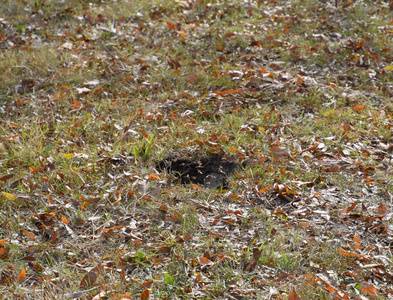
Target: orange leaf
point(346, 126)
point(220, 48)
point(358, 108)
point(22, 276)
point(145, 294)
point(33, 169)
point(147, 284)
point(357, 240)
point(381, 210)
point(352, 206)
point(29, 234)
point(152, 177)
point(4, 252)
point(65, 220)
point(350, 254)
point(368, 288)
point(293, 296)
point(261, 191)
point(54, 237)
point(204, 261)
point(173, 26)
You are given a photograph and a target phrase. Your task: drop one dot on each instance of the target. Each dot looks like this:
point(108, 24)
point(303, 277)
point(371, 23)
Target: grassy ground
point(296, 94)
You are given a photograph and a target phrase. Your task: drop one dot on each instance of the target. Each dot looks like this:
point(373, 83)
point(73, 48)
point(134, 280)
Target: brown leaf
point(191, 78)
point(123, 272)
point(280, 151)
point(35, 267)
point(89, 279)
point(6, 177)
point(163, 208)
point(352, 206)
point(29, 234)
point(28, 258)
point(145, 294)
point(254, 260)
point(381, 210)
point(4, 252)
point(164, 249)
point(220, 48)
point(346, 126)
point(147, 284)
point(54, 237)
point(293, 296)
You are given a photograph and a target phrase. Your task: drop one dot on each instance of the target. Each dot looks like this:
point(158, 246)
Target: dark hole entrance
point(211, 172)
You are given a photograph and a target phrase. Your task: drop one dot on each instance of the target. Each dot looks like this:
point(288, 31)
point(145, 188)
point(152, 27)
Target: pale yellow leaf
point(328, 113)
point(68, 155)
point(9, 196)
point(389, 68)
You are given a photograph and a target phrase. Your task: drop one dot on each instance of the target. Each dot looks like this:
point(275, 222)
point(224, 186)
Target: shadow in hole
point(210, 172)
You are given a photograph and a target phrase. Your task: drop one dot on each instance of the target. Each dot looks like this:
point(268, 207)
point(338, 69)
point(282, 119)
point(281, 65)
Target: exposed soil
point(211, 172)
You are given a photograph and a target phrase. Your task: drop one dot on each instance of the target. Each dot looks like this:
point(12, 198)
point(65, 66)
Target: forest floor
point(196, 149)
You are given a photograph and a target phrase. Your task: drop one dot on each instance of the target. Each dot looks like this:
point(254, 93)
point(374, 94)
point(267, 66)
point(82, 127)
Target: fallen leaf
point(9, 196)
point(254, 260)
point(152, 177)
point(147, 284)
point(145, 294)
point(368, 288)
point(54, 237)
point(389, 68)
point(6, 177)
point(191, 78)
point(220, 48)
point(358, 108)
point(293, 296)
point(280, 151)
point(29, 234)
point(346, 126)
point(89, 279)
point(204, 261)
point(22, 276)
point(68, 155)
point(163, 208)
point(65, 220)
